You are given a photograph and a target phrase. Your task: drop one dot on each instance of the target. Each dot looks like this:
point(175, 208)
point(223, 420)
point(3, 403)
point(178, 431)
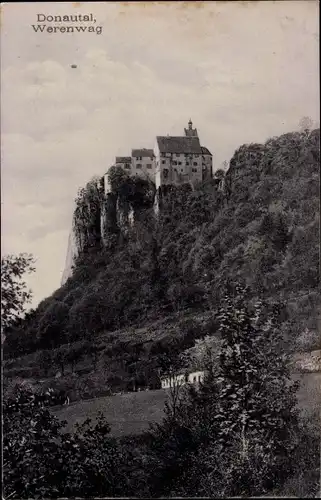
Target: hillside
point(140, 290)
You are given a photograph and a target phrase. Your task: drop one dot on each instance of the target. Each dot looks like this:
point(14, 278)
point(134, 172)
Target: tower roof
point(190, 131)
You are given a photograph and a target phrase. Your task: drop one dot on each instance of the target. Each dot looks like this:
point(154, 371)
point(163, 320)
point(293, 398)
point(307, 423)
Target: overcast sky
point(243, 71)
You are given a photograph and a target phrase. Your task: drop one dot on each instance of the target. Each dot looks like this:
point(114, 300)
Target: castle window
point(165, 171)
point(138, 158)
point(187, 163)
point(194, 169)
point(163, 162)
point(139, 165)
point(194, 380)
point(195, 163)
point(174, 162)
point(127, 166)
point(179, 162)
point(149, 166)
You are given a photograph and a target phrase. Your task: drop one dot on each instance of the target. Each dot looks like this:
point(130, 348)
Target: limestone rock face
point(108, 216)
point(72, 253)
point(100, 214)
point(123, 210)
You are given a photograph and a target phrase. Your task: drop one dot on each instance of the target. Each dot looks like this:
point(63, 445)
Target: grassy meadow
point(131, 413)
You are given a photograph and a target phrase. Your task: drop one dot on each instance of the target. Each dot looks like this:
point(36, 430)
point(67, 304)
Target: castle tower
point(190, 131)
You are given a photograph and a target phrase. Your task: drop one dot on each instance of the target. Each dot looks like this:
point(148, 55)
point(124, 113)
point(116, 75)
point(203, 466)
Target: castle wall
point(174, 168)
point(144, 167)
point(207, 167)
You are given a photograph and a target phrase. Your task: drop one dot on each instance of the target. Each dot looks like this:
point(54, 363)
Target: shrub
point(42, 461)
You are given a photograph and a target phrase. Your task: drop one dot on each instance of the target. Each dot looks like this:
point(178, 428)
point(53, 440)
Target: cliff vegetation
point(144, 284)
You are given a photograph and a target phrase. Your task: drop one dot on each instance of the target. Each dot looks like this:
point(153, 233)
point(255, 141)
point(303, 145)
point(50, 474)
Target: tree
point(306, 124)
point(14, 292)
point(41, 460)
point(52, 325)
point(203, 355)
point(92, 348)
point(60, 358)
point(30, 450)
point(170, 363)
point(179, 443)
point(219, 174)
point(117, 179)
point(257, 415)
point(242, 424)
point(74, 355)
point(45, 360)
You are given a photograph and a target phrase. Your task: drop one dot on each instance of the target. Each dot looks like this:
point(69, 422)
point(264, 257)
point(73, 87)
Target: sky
point(243, 71)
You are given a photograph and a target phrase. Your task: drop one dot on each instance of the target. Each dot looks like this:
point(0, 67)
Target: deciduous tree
point(14, 291)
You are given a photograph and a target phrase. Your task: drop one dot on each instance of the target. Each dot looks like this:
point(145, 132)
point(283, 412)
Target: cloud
point(242, 74)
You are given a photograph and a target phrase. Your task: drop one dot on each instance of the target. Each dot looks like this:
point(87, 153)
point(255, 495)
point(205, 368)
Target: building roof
point(123, 159)
point(146, 153)
point(205, 151)
point(170, 144)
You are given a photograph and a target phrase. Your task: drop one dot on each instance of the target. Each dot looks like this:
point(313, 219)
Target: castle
point(174, 160)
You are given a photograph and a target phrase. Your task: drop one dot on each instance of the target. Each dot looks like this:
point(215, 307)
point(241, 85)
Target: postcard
point(160, 262)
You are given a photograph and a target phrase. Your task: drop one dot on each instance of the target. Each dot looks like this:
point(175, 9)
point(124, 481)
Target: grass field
point(129, 413)
point(132, 413)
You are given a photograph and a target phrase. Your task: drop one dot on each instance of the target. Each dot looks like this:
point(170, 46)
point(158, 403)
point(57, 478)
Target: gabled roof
point(144, 153)
point(205, 151)
point(169, 144)
point(123, 159)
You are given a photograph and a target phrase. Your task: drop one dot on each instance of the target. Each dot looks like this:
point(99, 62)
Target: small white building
point(180, 379)
point(196, 377)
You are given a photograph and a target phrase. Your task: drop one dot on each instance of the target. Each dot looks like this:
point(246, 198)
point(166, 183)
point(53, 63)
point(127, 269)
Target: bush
point(41, 461)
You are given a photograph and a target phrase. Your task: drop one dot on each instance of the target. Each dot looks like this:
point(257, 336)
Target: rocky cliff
point(133, 267)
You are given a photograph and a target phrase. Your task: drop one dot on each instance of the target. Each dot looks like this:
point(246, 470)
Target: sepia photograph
point(160, 249)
